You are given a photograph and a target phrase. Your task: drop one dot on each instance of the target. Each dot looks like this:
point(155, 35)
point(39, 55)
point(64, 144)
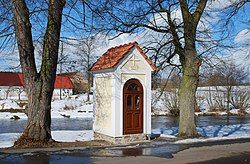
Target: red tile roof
point(114, 55)
point(11, 79)
point(16, 79)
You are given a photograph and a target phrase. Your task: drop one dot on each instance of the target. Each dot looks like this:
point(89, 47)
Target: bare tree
point(179, 36)
point(171, 102)
point(215, 99)
point(231, 76)
point(240, 99)
point(19, 91)
point(87, 53)
point(39, 86)
point(8, 90)
point(226, 75)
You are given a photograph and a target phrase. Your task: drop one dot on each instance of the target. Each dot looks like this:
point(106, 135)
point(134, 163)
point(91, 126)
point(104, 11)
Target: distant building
point(80, 83)
point(12, 86)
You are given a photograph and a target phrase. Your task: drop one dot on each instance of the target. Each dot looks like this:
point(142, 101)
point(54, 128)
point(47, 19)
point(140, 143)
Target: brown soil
point(13, 110)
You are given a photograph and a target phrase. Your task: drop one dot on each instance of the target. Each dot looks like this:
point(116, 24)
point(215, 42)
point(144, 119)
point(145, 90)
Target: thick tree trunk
point(187, 94)
point(190, 62)
point(38, 86)
point(39, 114)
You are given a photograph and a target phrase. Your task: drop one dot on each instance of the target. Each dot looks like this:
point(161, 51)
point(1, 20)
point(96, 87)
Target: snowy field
point(75, 106)
point(208, 98)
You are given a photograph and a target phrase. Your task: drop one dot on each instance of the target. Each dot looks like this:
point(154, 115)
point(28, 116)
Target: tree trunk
point(190, 62)
point(38, 86)
point(7, 93)
point(39, 113)
point(228, 90)
point(187, 94)
point(89, 85)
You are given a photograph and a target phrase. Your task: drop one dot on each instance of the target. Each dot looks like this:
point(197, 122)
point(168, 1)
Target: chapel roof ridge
point(123, 45)
point(114, 55)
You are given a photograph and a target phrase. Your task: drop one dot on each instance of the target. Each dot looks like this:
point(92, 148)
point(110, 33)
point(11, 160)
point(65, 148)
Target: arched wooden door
point(132, 107)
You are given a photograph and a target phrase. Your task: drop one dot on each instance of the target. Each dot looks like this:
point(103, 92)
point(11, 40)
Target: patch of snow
point(167, 136)
point(207, 97)
point(234, 111)
point(8, 139)
point(8, 115)
point(222, 113)
point(73, 107)
point(9, 104)
point(72, 136)
point(197, 140)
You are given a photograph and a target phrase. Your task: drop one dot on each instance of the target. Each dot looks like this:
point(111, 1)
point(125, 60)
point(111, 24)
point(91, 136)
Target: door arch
point(132, 107)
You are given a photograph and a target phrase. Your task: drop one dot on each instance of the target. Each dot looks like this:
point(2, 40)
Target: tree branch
point(199, 10)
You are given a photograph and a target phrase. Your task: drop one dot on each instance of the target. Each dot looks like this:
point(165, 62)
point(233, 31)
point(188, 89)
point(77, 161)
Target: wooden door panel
point(129, 120)
point(136, 121)
point(132, 107)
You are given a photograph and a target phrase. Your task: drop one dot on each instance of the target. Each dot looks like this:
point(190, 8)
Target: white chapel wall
point(103, 104)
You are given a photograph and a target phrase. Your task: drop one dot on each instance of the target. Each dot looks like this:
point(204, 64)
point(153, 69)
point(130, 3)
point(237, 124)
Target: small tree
point(240, 99)
point(7, 91)
point(215, 99)
point(19, 91)
point(87, 54)
point(226, 75)
point(171, 102)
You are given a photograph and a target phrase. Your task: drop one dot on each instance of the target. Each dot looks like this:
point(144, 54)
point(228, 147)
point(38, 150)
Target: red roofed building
point(12, 86)
point(79, 81)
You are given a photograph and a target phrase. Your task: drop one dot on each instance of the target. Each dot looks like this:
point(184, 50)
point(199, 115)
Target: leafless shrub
point(171, 102)
point(216, 100)
point(200, 100)
point(66, 107)
point(240, 99)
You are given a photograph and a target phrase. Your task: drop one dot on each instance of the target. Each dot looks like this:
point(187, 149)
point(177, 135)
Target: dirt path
point(191, 155)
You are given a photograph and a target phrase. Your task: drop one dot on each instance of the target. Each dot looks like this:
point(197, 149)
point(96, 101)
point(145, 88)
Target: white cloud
point(9, 61)
point(220, 4)
point(243, 36)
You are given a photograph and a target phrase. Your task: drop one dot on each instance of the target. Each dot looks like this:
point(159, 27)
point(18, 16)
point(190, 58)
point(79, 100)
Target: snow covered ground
point(73, 107)
point(209, 133)
point(207, 98)
point(8, 139)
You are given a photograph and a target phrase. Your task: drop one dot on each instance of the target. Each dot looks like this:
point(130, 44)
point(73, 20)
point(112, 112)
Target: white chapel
point(122, 94)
